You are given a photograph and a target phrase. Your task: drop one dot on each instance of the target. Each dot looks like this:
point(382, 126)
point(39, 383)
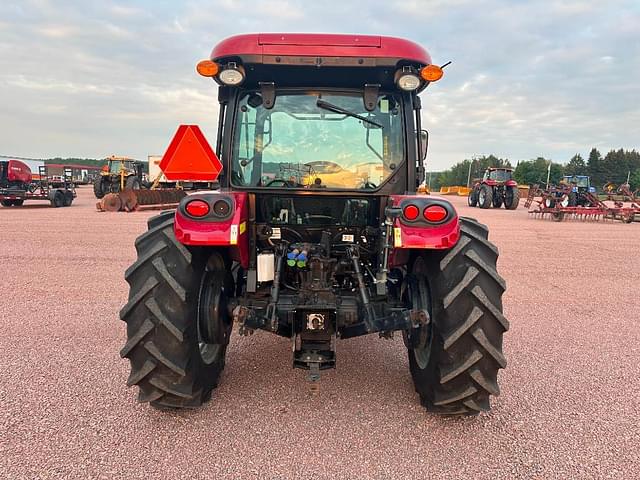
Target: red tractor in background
point(497, 187)
point(316, 233)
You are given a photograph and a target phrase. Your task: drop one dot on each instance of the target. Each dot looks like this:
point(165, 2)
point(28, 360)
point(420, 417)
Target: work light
point(232, 74)
point(407, 79)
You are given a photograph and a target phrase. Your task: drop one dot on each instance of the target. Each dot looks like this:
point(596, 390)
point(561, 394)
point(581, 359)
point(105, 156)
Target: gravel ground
point(570, 399)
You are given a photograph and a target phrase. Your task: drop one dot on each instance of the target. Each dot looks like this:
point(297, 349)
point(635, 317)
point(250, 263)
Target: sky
point(528, 78)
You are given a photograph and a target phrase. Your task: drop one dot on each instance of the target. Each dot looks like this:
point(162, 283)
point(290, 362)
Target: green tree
point(576, 166)
point(459, 173)
point(535, 171)
point(91, 162)
point(595, 167)
point(634, 180)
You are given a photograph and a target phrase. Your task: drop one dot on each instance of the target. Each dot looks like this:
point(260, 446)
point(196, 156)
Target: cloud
point(528, 78)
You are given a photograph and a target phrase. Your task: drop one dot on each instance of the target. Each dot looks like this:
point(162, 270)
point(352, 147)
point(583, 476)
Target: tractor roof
point(254, 47)
point(508, 169)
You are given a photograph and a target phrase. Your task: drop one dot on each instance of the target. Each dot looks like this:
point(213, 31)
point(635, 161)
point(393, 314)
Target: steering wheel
point(321, 166)
point(285, 183)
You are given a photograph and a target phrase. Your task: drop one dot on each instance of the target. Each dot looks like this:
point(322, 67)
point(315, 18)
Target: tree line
point(614, 167)
point(90, 162)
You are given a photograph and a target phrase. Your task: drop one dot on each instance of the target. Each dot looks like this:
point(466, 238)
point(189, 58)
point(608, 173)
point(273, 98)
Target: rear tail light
point(435, 214)
point(197, 208)
point(411, 212)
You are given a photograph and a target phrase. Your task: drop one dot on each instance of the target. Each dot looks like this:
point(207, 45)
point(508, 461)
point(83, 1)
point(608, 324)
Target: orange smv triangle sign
point(190, 157)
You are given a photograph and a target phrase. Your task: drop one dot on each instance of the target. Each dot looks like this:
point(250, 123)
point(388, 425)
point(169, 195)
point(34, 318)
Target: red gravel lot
point(569, 408)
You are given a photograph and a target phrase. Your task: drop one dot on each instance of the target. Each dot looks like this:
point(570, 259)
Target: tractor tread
point(150, 395)
point(482, 339)
point(486, 268)
point(455, 396)
point(168, 232)
point(471, 320)
point(173, 402)
point(467, 223)
point(488, 385)
point(453, 252)
point(465, 365)
point(173, 389)
point(165, 359)
point(482, 298)
point(158, 247)
point(154, 308)
point(471, 274)
point(152, 233)
point(481, 236)
point(137, 375)
point(161, 268)
point(161, 218)
point(471, 404)
point(149, 285)
point(146, 327)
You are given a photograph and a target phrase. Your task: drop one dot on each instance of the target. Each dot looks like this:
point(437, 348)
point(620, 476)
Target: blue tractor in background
point(581, 185)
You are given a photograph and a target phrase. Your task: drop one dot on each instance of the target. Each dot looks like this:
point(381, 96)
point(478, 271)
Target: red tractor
point(316, 233)
point(496, 188)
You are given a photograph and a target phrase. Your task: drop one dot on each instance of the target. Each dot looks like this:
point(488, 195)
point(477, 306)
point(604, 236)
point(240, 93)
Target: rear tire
point(100, 187)
point(465, 345)
point(511, 198)
point(56, 197)
point(68, 198)
point(7, 203)
point(132, 183)
point(169, 363)
point(18, 203)
point(485, 196)
point(472, 199)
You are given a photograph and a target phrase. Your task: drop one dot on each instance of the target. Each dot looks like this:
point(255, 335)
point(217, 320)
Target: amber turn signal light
point(207, 68)
point(431, 73)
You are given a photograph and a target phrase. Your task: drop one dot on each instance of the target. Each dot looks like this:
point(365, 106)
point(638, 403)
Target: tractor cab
point(580, 183)
point(328, 113)
point(498, 175)
point(117, 165)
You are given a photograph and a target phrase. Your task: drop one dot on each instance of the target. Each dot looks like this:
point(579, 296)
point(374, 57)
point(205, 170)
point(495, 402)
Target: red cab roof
point(320, 44)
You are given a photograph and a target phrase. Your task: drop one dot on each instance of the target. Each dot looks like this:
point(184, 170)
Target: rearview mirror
point(424, 143)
